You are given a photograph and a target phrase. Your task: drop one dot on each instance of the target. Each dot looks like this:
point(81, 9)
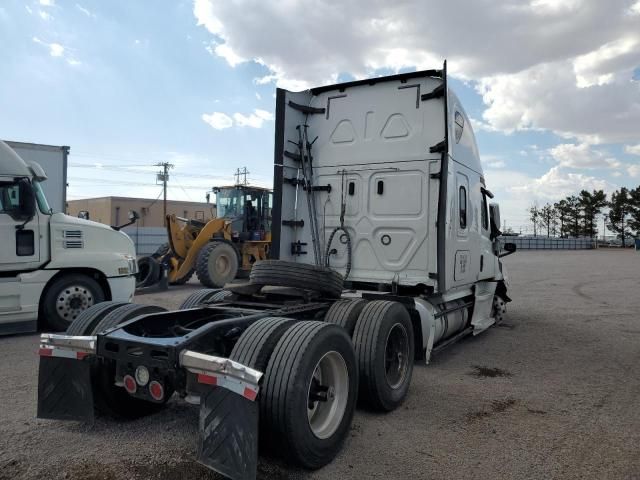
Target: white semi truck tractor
point(53, 266)
point(384, 250)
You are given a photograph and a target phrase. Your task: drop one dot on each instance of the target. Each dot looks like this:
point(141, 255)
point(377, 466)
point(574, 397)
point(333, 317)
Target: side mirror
point(494, 217)
point(27, 201)
point(83, 214)
point(509, 248)
point(133, 216)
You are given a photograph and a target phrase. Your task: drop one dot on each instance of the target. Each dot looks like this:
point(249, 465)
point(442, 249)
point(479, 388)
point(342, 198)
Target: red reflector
point(156, 390)
point(130, 384)
point(207, 379)
point(81, 355)
point(45, 352)
point(250, 394)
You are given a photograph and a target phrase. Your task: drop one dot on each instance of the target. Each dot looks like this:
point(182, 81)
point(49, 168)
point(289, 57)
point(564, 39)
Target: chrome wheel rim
point(327, 395)
point(396, 356)
point(72, 301)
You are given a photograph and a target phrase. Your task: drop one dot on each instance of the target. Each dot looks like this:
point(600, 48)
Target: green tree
point(564, 216)
point(548, 218)
point(574, 216)
point(534, 216)
point(591, 204)
point(621, 207)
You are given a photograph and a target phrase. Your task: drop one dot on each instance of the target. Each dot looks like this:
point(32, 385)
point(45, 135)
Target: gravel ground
point(550, 393)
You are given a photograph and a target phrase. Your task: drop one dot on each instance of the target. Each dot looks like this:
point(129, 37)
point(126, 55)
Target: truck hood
point(76, 233)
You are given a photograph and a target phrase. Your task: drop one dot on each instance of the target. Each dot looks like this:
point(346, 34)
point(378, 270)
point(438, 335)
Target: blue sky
point(129, 84)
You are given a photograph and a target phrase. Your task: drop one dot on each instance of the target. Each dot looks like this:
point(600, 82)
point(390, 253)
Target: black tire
point(256, 344)
point(124, 313)
point(161, 251)
point(220, 296)
point(67, 297)
point(380, 322)
point(197, 298)
point(148, 272)
point(110, 399)
point(285, 392)
point(87, 320)
point(217, 264)
point(297, 275)
point(345, 313)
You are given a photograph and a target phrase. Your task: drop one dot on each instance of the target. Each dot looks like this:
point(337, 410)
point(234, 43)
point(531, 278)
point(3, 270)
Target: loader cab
point(248, 208)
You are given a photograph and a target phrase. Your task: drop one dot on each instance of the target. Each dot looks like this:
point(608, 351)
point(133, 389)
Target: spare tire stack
point(279, 273)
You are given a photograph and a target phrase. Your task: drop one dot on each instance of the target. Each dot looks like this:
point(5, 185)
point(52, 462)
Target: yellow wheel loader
point(217, 250)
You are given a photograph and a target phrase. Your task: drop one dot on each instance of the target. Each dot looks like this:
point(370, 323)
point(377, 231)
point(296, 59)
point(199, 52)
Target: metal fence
point(550, 243)
point(146, 239)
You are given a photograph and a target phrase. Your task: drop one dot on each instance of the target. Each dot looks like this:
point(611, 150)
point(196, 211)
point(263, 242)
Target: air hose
point(343, 208)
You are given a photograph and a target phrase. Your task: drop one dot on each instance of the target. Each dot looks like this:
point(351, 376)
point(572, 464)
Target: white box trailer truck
point(384, 251)
point(53, 160)
point(53, 266)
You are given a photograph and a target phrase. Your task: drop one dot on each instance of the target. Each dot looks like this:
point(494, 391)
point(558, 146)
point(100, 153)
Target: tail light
point(130, 384)
point(156, 390)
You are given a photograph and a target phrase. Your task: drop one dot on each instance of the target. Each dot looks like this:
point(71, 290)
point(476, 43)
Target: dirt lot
point(554, 392)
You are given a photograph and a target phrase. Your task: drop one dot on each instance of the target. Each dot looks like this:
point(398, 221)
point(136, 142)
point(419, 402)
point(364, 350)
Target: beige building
point(115, 210)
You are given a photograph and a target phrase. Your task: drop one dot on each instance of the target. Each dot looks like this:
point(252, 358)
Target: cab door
point(19, 241)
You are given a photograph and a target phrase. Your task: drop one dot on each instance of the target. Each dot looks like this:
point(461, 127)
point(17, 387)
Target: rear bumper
point(227, 390)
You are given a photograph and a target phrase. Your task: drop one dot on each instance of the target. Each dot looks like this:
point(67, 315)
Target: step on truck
point(384, 251)
point(53, 266)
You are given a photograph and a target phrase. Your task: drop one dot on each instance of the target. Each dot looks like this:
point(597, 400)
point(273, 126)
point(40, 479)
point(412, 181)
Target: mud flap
point(228, 434)
point(64, 389)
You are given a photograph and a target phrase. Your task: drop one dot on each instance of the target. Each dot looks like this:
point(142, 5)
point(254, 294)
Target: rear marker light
point(156, 391)
point(142, 375)
point(130, 384)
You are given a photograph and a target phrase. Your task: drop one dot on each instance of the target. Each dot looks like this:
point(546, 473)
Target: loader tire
point(197, 298)
point(256, 344)
point(217, 264)
point(297, 275)
point(161, 251)
point(148, 272)
point(345, 313)
point(384, 345)
point(312, 360)
point(87, 320)
point(110, 399)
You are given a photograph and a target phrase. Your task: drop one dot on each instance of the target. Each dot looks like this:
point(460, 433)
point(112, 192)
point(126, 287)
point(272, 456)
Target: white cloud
point(254, 120)
point(220, 121)
point(55, 49)
point(632, 149)
point(258, 96)
point(547, 97)
point(217, 120)
point(28, 9)
point(556, 184)
point(87, 12)
point(545, 64)
point(45, 15)
point(634, 170)
point(48, 3)
point(582, 156)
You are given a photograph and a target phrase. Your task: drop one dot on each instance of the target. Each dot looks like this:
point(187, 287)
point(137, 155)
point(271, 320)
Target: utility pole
point(604, 228)
point(163, 177)
point(244, 173)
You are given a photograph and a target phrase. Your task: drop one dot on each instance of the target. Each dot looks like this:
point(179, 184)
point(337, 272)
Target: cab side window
point(485, 212)
point(462, 205)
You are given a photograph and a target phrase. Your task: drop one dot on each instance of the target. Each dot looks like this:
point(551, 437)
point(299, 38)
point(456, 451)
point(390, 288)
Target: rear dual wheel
point(383, 341)
point(309, 388)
